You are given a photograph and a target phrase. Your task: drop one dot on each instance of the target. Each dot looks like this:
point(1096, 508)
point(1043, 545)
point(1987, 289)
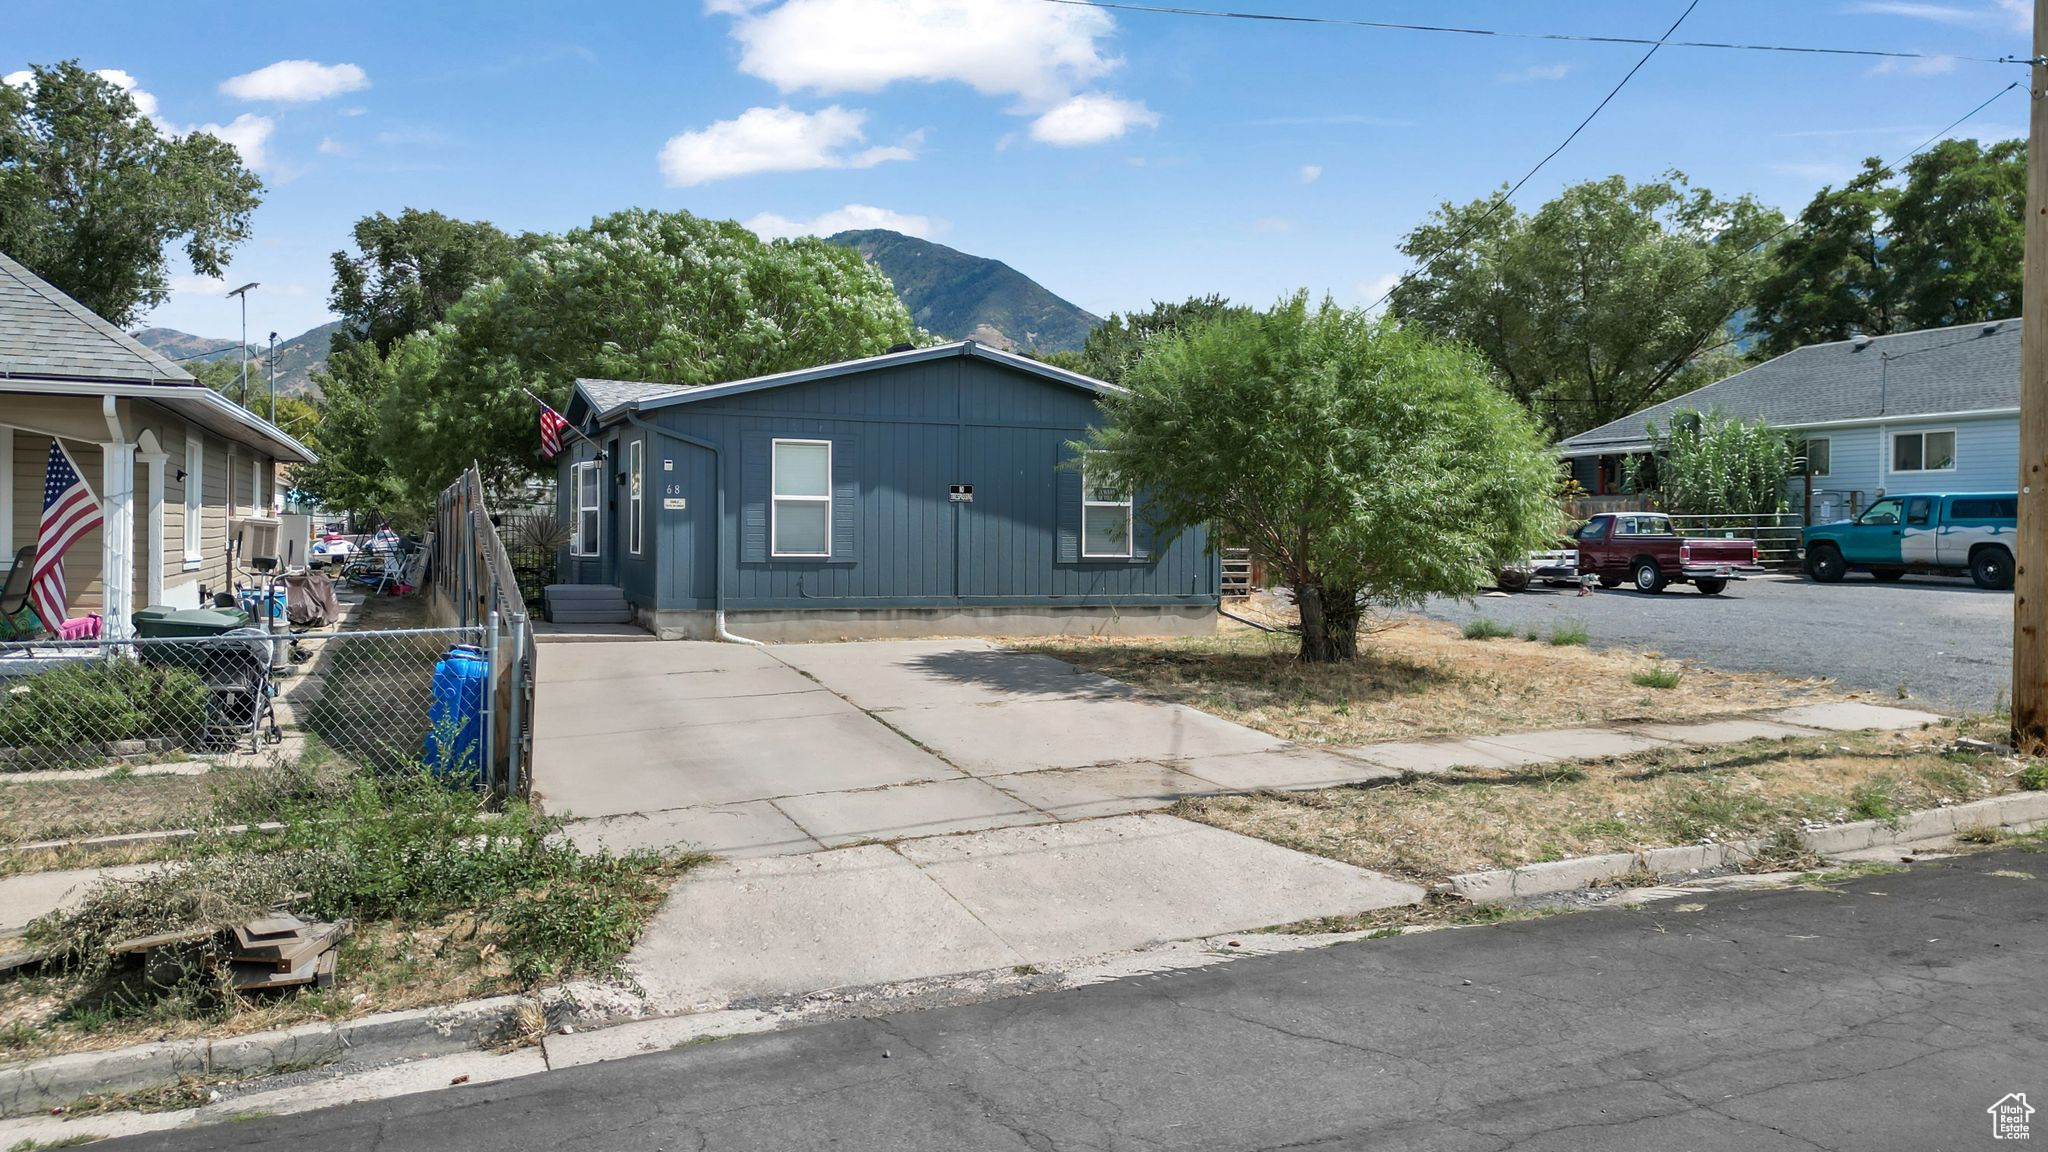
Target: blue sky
point(1116, 157)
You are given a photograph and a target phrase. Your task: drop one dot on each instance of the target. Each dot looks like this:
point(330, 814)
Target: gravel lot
point(1947, 641)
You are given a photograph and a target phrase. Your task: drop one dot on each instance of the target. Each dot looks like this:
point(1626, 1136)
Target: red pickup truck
point(1643, 549)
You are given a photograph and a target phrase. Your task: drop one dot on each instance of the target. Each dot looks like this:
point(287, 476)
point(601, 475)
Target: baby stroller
point(239, 690)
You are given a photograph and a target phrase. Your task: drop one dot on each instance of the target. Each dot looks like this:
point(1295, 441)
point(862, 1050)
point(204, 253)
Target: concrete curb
point(39, 1085)
point(2020, 811)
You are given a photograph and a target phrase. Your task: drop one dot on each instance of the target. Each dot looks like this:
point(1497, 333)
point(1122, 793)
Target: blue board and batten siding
point(901, 435)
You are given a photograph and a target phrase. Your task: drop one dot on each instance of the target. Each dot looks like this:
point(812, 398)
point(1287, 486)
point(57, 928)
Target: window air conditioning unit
point(256, 543)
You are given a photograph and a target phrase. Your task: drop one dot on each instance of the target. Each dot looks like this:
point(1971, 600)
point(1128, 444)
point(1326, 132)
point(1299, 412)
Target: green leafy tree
point(91, 193)
point(1115, 344)
point(1363, 460)
point(1600, 302)
point(1878, 255)
point(353, 474)
point(408, 270)
point(1959, 233)
point(656, 296)
point(1710, 464)
point(1830, 278)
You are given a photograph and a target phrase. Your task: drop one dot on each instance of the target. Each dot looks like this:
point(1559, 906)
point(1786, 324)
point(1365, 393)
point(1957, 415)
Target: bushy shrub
point(91, 702)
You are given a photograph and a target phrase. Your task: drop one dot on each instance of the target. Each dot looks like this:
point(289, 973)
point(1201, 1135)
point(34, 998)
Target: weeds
point(1571, 635)
point(1872, 800)
point(1658, 676)
point(1986, 834)
point(2034, 777)
point(1482, 628)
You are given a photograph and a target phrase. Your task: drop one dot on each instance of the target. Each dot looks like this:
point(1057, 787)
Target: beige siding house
point(176, 466)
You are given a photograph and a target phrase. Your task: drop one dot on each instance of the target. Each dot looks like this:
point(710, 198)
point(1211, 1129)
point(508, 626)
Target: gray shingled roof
point(1970, 368)
point(606, 395)
point(46, 334)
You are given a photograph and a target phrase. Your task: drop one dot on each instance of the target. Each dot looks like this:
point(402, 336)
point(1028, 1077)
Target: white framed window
point(800, 512)
point(256, 507)
point(633, 482)
point(1924, 451)
point(1105, 516)
point(586, 490)
point(1815, 452)
point(195, 495)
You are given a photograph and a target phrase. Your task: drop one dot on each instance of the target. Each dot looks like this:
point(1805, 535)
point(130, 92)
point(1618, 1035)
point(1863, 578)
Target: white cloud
point(1536, 72)
point(2002, 15)
point(770, 226)
point(1028, 49)
point(249, 134)
point(1310, 173)
point(329, 146)
point(296, 81)
point(774, 140)
point(1371, 290)
point(356, 111)
point(198, 285)
point(145, 103)
point(1091, 118)
point(1926, 66)
point(1272, 225)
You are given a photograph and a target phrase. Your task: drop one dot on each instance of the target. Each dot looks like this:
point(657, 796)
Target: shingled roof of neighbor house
point(1971, 368)
point(47, 335)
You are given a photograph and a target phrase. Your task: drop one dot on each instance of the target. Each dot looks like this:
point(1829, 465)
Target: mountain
point(958, 296)
point(296, 357)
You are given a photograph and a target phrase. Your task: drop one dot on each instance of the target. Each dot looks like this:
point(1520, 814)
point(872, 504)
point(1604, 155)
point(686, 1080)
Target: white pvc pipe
point(729, 637)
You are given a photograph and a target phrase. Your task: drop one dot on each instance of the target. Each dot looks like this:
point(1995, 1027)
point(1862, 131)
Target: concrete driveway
point(764, 751)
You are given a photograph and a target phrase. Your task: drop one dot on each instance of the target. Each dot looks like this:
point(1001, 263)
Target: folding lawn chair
point(14, 593)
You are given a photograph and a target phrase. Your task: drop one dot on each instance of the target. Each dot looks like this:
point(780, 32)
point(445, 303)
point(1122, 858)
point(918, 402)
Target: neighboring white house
point(1934, 410)
point(175, 465)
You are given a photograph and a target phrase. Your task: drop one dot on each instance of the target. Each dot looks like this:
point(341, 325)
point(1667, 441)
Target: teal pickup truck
point(1949, 534)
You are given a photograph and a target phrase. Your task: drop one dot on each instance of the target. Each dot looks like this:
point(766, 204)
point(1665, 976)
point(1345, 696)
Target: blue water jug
point(454, 749)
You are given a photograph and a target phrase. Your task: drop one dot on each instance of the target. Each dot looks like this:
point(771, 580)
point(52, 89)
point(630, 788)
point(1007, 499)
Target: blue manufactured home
point(926, 491)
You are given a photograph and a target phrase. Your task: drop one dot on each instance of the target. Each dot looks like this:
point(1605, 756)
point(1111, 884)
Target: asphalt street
point(1887, 1013)
point(1946, 640)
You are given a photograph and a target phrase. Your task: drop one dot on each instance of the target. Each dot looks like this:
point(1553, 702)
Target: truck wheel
point(1887, 575)
point(1991, 568)
point(1710, 585)
point(1610, 581)
point(1648, 577)
point(1825, 564)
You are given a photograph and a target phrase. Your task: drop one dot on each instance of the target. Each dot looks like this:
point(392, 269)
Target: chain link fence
point(155, 735)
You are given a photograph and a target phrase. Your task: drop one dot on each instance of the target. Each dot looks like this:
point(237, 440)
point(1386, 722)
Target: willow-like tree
point(1365, 462)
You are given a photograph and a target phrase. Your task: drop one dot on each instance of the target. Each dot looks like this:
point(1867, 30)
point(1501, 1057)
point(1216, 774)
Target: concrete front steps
point(588, 604)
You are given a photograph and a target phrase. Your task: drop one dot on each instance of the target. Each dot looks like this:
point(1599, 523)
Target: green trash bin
point(160, 621)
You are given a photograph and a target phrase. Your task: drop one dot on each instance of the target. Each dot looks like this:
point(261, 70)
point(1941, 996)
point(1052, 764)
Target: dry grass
point(1418, 678)
point(1430, 828)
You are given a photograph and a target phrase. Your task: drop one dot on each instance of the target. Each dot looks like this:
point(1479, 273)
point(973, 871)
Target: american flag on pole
point(551, 426)
point(69, 511)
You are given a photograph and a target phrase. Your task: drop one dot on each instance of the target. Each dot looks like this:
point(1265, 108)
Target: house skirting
point(778, 626)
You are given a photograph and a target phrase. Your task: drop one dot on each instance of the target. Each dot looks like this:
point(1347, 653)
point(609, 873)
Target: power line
point(1584, 38)
point(1502, 200)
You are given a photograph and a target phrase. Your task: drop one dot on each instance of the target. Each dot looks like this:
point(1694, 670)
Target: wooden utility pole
point(2030, 567)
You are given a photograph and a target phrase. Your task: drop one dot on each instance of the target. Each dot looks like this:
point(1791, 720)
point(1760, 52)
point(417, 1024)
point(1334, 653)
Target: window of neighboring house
point(587, 488)
point(195, 495)
point(1924, 451)
point(256, 505)
point(1815, 454)
point(801, 516)
point(1105, 516)
point(633, 505)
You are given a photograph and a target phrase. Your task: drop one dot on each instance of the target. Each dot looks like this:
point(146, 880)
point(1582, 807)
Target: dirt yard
point(1428, 828)
point(1417, 678)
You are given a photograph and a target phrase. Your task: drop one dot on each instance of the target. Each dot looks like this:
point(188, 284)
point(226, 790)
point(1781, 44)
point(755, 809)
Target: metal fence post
point(490, 741)
point(515, 732)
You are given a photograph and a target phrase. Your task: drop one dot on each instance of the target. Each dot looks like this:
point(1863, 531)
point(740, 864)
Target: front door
point(611, 494)
point(1917, 543)
point(1877, 534)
